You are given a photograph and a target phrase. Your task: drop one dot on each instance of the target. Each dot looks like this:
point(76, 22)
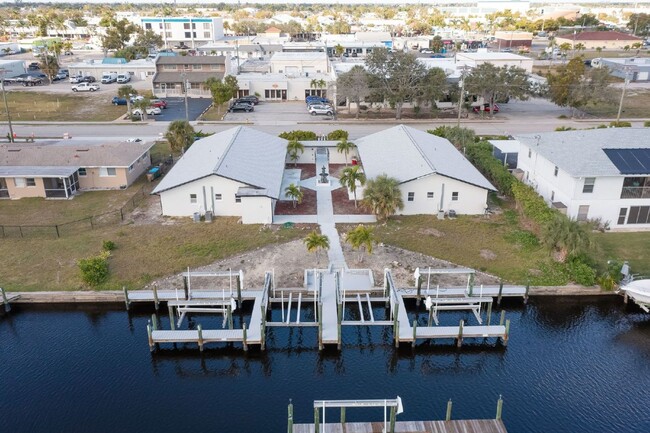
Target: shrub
point(94, 270)
point(562, 116)
point(620, 124)
point(531, 203)
point(480, 154)
point(601, 126)
point(108, 245)
point(646, 123)
point(299, 135)
point(527, 240)
point(338, 134)
point(564, 128)
point(581, 273)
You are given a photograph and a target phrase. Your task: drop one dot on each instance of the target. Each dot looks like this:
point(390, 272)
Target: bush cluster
point(299, 135)
point(532, 204)
point(338, 134)
point(94, 270)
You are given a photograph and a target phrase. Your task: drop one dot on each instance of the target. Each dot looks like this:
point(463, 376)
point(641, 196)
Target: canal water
point(571, 365)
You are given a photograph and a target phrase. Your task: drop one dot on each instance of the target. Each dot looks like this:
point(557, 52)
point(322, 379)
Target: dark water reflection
point(572, 365)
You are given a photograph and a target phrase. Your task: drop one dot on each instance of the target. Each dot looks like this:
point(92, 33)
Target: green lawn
point(633, 247)
point(83, 107)
point(500, 247)
point(143, 253)
point(636, 105)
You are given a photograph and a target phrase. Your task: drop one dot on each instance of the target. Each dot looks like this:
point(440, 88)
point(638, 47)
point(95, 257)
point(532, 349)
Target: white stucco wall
point(604, 202)
point(176, 201)
point(309, 156)
point(257, 210)
point(471, 199)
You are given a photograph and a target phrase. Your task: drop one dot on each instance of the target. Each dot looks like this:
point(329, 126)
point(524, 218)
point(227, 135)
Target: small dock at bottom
point(453, 426)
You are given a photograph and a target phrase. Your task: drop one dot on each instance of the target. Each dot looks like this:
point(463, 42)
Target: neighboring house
point(189, 32)
point(599, 173)
point(632, 68)
point(237, 172)
point(175, 73)
point(143, 69)
point(433, 175)
point(592, 40)
point(58, 169)
point(513, 40)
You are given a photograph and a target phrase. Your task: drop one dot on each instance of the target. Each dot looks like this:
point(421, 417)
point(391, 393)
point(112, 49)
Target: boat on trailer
point(639, 291)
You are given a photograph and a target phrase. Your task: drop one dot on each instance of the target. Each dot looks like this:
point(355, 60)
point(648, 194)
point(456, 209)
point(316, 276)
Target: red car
point(159, 103)
point(486, 108)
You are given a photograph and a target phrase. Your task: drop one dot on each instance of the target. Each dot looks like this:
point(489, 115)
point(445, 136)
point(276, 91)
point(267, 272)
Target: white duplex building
point(434, 176)
point(599, 173)
point(237, 172)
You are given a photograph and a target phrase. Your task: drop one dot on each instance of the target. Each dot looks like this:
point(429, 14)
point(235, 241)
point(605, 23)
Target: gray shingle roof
point(72, 153)
point(242, 154)
point(406, 154)
point(27, 171)
point(580, 153)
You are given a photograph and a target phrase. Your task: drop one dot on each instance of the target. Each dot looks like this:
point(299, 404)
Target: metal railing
point(635, 192)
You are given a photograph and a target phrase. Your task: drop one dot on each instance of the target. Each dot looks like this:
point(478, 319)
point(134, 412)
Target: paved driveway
point(176, 109)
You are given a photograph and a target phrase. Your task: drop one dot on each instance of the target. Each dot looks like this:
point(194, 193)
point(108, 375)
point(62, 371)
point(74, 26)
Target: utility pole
point(4, 96)
point(627, 69)
point(461, 97)
point(185, 83)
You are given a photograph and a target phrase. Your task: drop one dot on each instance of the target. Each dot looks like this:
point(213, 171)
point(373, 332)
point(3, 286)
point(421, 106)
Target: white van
point(109, 77)
point(123, 78)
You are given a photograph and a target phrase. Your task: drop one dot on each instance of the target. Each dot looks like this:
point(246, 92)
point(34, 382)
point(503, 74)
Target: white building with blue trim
point(191, 32)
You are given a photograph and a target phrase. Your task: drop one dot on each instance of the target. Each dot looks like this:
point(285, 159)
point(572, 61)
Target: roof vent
point(82, 150)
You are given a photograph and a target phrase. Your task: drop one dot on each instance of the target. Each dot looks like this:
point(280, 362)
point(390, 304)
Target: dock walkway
point(453, 426)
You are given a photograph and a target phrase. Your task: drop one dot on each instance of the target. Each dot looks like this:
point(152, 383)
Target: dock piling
point(231, 324)
point(185, 286)
point(239, 284)
point(500, 292)
point(417, 299)
point(156, 303)
point(172, 324)
point(395, 325)
point(489, 314)
point(449, 406)
point(320, 326)
point(316, 421)
point(290, 417)
point(393, 415)
point(198, 327)
point(338, 325)
point(150, 337)
point(154, 322)
point(126, 298)
point(471, 284)
point(499, 407)
point(244, 337)
point(502, 321)
point(342, 416)
point(507, 334)
point(459, 341)
point(526, 294)
point(5, 301)
point(263, 329)
point(415, 327)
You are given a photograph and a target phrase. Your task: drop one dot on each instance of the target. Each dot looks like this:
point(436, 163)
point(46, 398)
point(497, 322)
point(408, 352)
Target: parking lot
point(294, 111)
point(176, 109)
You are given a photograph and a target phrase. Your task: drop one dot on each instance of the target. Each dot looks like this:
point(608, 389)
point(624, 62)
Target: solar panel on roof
point(630, 161)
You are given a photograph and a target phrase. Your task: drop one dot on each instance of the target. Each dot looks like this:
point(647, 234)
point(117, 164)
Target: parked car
point(118, 101)
point(486, 108)
point(64, 72)
point(88, 79)
point(123, 78)
point(241, 106)
point(314, 98)
point(34, 66)
point(321, 109)
point(85, 87)
point(59, 77)
point(250, 98)
point(148, 110)
point(75, 79)
point(160, 103)
point(109, 77)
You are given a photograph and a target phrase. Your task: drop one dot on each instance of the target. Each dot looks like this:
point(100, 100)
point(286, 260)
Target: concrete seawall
point(118, 296)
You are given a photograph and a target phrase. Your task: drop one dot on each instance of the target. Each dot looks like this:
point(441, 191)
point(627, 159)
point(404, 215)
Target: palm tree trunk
point(355, 197)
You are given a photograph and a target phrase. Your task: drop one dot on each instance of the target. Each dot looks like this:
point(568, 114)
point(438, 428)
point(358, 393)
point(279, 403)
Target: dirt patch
point(488, 255)
point(289, 261)
point(306, 170)
point(336, 169)
point(306, 207)
point(431, 232)
point(345, 206)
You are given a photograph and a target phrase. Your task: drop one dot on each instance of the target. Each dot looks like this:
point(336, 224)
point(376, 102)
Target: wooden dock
point(453, 426)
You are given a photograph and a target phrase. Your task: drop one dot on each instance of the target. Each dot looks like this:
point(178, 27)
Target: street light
point(185, 83)
point(4, 96)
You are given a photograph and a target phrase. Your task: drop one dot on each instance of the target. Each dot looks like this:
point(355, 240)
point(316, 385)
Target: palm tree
point(180, 135)
point(350, 176)
point(567, 237)
point(318, 84)
point(344, 146)
point(315, 242)
point(295, 149)
point(126, 92)
point(295, 193)
point(382, 196)
point(361, 238)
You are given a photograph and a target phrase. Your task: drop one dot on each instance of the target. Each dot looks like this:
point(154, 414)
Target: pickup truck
point(85, 87)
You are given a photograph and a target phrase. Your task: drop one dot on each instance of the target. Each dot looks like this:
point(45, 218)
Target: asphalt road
point(517, 117)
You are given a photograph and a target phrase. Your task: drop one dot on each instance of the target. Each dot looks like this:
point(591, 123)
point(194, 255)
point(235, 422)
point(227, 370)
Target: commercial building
point(176, 75)
point(591, 40)
point(190, 32)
